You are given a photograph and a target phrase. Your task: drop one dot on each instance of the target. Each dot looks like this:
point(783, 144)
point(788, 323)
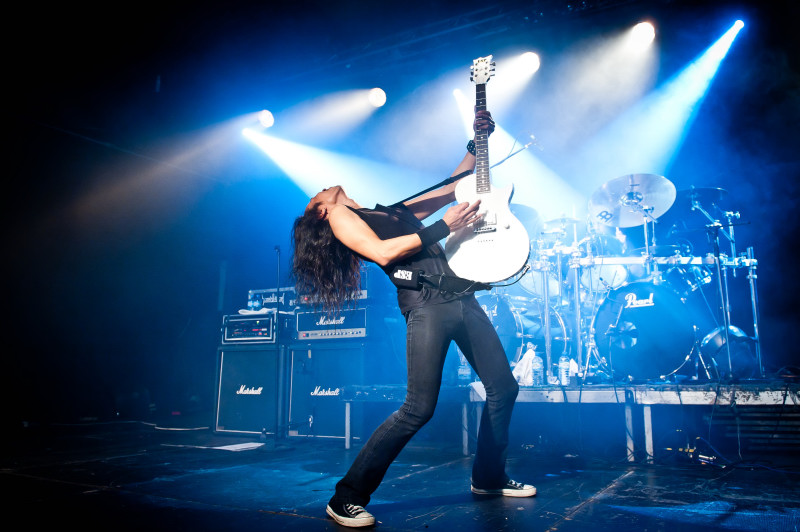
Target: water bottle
point(537, 370)
point(563, 370)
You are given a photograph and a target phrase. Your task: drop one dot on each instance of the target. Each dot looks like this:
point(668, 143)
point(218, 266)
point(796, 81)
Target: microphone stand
point(280, 422)
point(510, 155)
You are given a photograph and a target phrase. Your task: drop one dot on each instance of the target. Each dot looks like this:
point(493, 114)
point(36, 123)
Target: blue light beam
point(646, 138)
point(312, 169)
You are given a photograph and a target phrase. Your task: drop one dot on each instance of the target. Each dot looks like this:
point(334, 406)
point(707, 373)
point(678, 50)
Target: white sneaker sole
point(528, 492)
point(350, 521)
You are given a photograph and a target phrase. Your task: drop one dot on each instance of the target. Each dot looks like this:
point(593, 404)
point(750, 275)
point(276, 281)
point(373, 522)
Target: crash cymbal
point(624, 201)
point(705, 197)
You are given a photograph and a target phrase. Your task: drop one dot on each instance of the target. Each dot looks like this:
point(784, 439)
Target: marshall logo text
point(330, 321)
point(244, 390)
point(319, 391)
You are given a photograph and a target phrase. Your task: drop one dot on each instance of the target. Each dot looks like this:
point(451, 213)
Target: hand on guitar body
point(462, 215)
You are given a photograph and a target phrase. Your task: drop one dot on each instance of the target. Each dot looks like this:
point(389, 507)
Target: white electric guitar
point(498, 247)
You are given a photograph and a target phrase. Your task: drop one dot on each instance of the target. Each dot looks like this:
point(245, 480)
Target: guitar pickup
point(488, 224)
point(485, 229)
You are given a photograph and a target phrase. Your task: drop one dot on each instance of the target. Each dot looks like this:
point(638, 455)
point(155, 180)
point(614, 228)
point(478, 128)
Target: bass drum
point(643, 330)
point(518, 322)
point(506, 321)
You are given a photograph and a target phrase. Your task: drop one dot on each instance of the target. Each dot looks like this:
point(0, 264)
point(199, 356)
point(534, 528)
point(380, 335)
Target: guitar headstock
point(481, 70)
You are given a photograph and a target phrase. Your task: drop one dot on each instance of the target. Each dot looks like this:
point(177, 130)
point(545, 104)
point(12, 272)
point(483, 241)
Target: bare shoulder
point(340, 211)
point(343, 219)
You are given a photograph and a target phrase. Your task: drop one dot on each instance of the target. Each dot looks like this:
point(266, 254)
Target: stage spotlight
point(530, 62)
point(377, 97)
point(642, 35)
point(266, 119)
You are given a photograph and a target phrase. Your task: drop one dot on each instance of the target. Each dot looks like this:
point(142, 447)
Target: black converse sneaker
point(510, 489)
point(351, 515)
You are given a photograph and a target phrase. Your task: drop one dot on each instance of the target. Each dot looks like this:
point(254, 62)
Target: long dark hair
point(324, 270)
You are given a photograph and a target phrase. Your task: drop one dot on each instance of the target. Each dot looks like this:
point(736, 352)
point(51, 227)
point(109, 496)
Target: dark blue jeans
point(430, 330)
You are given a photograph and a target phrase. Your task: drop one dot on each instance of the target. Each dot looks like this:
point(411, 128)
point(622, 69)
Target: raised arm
point(427, 204)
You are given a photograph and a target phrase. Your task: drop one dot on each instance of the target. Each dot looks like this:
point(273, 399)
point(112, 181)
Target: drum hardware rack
point(630, 201)
point(588, 350)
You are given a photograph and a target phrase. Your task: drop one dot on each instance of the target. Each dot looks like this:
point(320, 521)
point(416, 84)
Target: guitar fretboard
point(482, 178)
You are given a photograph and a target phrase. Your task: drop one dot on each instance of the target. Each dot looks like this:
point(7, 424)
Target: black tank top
point(398, 220)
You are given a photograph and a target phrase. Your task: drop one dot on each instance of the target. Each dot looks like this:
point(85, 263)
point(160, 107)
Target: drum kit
point(628, 312)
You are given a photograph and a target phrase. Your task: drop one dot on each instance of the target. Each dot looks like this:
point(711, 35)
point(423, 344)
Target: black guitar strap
point(447, 181)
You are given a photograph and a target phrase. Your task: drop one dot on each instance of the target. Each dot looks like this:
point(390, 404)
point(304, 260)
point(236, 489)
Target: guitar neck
point(482, 178)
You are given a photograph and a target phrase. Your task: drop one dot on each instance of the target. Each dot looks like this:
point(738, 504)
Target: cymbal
point(561, 221)
point(623, 202)
point(705, 197)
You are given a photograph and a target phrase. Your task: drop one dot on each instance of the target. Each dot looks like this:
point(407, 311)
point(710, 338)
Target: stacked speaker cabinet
point(320, 371)
point(249, 389)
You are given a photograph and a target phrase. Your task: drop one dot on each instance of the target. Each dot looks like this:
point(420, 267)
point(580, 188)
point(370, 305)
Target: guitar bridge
point(488, 224)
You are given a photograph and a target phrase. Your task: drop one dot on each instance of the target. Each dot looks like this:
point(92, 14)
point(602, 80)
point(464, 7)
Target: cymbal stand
point(715, 229)
point(752, 276)
point(543, 267)
point(647, 217)
point(729, 235)
point(730, 215)
point(575, 265)
point(722, 280)
point(592, 353)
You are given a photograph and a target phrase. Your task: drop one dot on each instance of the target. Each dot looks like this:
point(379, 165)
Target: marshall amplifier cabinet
point(250, 328)
point(248, 388)
point(318, 376)
point(350, 323)
point(320, 372)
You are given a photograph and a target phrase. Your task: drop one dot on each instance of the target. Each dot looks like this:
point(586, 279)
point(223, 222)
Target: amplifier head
point(347, 323)
point(250, 329)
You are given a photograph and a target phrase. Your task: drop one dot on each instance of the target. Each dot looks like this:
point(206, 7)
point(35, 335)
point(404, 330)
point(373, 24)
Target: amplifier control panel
point(249, 329)
point(351, 323)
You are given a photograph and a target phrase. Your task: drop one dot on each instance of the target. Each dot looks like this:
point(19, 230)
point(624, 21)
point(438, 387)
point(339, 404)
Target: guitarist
point(330, 240)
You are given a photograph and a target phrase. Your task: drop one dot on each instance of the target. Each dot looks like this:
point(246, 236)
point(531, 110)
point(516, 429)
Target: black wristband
point(433, 233)
point(471, 147)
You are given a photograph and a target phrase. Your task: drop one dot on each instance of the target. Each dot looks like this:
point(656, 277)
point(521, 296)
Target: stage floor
point(183, 476)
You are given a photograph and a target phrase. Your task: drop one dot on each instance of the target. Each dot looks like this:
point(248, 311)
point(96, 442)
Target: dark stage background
point(129, 232)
